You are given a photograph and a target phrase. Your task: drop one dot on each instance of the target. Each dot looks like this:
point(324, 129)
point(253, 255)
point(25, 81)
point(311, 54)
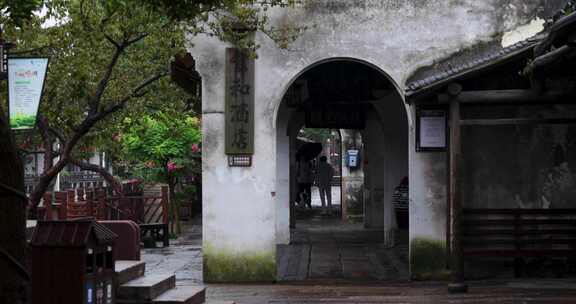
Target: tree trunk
point(14, 287)
point(174, 205)
point(44, 182)
point(111, 180)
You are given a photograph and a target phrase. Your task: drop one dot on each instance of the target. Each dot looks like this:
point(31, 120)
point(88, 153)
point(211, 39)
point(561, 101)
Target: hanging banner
point(25, 84)
point(239, 109)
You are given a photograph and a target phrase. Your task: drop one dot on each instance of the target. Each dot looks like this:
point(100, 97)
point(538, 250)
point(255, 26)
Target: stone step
point(219, 302)
point(182, 295)
point(146, 288)
point(129, 270)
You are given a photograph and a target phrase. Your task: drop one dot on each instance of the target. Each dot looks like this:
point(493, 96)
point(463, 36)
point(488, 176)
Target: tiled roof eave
point(429, 84)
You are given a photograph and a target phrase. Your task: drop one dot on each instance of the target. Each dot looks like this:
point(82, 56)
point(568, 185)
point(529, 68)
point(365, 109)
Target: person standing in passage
point(324, 178)
point(304, 178)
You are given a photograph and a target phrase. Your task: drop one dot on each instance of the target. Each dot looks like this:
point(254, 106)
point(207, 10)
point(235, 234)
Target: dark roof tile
point(73, 233)
point(462, 67)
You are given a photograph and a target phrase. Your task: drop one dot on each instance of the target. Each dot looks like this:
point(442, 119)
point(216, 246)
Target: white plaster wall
point(427, 192)
point(394, 138)
point(239, 214)
point(283, 179)
point(395, 36)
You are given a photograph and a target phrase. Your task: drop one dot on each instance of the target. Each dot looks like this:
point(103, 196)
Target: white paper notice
point(433, 131)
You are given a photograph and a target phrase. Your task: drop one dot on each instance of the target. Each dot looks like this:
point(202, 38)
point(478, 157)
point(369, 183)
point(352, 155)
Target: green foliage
point(84, 40)
point(158, 142)
point(109, 60)
point(317, 135)
point(102, 55)
point(237, 20)
point(17, 11)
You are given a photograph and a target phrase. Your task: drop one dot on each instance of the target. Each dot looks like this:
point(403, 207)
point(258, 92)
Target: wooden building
point(512, 153)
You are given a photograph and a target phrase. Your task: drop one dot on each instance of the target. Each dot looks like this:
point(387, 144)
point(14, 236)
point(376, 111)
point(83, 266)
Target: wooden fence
point(98, 203)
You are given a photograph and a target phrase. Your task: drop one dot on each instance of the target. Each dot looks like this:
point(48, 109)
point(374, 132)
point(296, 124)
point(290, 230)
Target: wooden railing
point(143, 209)
point(96, 203)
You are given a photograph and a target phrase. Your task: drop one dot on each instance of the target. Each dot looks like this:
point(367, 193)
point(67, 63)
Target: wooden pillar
point(48, 216)
point(102, 213)
point(62, 203)
point(457, 262)
point(89, 197)
point(165, 204)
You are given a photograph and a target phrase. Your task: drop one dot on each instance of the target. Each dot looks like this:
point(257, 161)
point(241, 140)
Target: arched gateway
point(345, 93)
point(357, 54)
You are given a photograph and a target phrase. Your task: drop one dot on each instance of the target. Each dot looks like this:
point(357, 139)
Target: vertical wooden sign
point(239, 111)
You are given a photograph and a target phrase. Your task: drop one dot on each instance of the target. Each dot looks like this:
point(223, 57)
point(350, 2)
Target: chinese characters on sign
point(239, 103)
point(25, 83)
point(431, 130)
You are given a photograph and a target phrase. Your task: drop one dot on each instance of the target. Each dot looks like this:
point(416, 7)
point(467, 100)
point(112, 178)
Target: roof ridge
point(468, 65)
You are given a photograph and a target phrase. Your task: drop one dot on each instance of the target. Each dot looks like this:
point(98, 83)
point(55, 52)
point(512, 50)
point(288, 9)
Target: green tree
point(109, 58)
point(159, 146)
point(14, 281)
point(17, 11)
point(315, 134)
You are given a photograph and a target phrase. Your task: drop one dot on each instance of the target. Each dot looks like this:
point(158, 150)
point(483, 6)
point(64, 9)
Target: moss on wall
point(220, 267)
point(428, 259)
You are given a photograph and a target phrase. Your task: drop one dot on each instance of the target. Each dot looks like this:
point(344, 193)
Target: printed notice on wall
point(432, 130)
point(25, 82)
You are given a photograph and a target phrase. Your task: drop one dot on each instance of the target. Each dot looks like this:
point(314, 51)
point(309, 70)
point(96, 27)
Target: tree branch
point(116, 44)
point(114, 183)
point(95, 100)
point(135, 39)
point(47, 141)
point(84, 17)
point(136, 93)
point(57, 133)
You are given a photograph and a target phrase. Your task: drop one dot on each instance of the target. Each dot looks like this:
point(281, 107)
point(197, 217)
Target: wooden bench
point(519, 234)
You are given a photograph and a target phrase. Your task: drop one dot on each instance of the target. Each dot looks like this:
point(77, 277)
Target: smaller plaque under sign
point(239, 160)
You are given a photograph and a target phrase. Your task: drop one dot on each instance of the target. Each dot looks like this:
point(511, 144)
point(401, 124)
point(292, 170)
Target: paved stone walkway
point(326, 249)
point(322, 249)
point(502, 292)
point(183, 257)
point(349, 260)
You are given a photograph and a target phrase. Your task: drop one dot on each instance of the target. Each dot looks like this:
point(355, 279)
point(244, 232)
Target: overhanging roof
point(481, 63)
point(562, 32)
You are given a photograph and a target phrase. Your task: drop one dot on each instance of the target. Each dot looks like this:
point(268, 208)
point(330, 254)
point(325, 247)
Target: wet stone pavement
point(480, 293)
point(326, 249)
point(183, 257)
point(337, 263)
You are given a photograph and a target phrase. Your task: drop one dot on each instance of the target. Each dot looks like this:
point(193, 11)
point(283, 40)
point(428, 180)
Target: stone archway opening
point(367, 239)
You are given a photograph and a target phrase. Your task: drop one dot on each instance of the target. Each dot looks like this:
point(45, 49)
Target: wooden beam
point(564, 53)
point(517, 121)
point(514, 97)
point(455, 150)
